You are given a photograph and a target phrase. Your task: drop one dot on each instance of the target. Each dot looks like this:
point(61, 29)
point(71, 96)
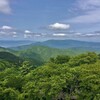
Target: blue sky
point(50, 19)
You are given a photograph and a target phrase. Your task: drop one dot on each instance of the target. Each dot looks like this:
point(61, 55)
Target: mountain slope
point(7, 56)
point(46, 52)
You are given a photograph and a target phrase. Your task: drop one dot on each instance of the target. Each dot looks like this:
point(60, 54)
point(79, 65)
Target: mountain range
point(43, 51)
point(64, 44)
point(14, 43)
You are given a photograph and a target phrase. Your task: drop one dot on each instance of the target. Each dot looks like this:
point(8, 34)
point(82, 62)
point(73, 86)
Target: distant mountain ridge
point(14, 43)
point(42, 51)
point(68, 43)
point(63, 44)
point(45, 53)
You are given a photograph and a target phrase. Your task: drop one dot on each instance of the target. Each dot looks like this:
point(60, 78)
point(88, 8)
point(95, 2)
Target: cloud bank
point(6, 28)
point(90, 12)
point(5, 6)
point(59, 26)
point(14, 33)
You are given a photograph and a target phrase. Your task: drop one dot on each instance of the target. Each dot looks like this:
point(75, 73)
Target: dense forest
point(61, 77)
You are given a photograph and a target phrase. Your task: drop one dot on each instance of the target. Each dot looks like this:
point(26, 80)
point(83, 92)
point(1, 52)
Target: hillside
point(45, 53)
point(42, 51)
point(7, 56)
point(17, 57)
point(5, 49)
point(61, 78)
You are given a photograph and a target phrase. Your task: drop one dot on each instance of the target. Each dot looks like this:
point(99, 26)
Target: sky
point(40, 20)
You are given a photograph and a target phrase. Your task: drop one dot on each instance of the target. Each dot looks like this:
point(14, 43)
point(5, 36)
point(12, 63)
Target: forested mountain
point(61, 78)
point(5, 49)
point(44, 52)
point(44, 73)
point(41, 54)
point(7, 56)
point(37, 54)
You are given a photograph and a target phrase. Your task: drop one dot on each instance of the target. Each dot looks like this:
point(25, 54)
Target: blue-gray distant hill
point(65, 44)
point(68, 44)
point(14, 43)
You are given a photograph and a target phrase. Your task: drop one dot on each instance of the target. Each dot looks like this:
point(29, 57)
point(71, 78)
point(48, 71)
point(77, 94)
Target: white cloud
point(6, 28)
point(88, 4)
point(92, 35)
point(78, 33)
point(27, 31)
point(14, 33)
point(8, 31)
point(89, 17)
point(1, 32)
point(90, 12)
point(5, 6)
point(37, 35)
point(27, 35)
point(60, 34)
point(89, 34)
point(14, 36)
point(59, 26)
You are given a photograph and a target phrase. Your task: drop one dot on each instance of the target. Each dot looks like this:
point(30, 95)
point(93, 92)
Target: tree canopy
point(61, 78)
